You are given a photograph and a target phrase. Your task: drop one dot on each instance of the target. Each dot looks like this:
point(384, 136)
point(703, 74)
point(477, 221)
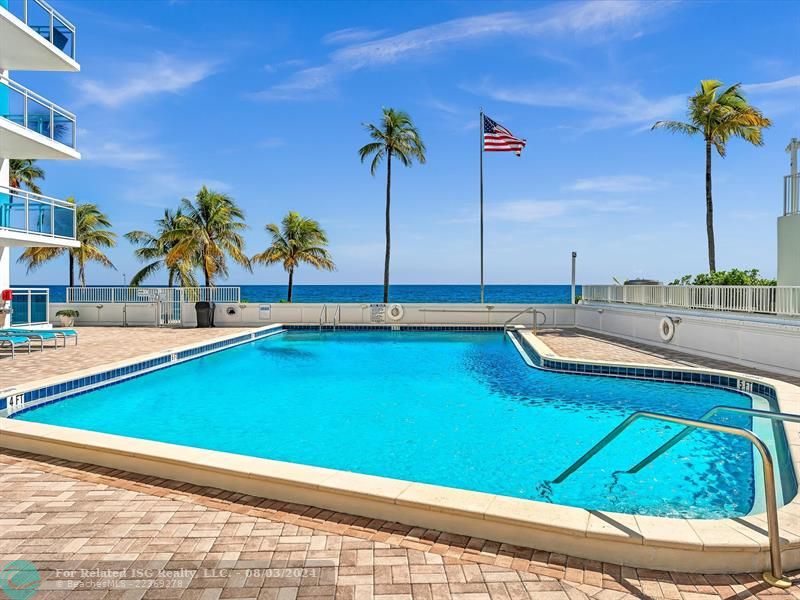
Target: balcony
point(35, 37)
point(28, 219)
point(33, 127)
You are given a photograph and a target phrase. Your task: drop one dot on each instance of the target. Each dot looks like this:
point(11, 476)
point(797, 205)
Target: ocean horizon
point(401, 293)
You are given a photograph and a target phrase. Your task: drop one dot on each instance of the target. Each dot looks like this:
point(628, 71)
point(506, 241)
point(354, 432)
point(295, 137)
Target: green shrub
point(732, 277)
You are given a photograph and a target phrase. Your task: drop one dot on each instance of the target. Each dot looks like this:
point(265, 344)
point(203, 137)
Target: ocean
point(524, 294)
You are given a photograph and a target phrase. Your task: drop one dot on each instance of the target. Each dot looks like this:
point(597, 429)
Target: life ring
point(395, 312)
point(666, 328)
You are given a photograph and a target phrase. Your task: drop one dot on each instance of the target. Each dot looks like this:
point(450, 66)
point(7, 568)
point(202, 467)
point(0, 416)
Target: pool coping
point(689, 545)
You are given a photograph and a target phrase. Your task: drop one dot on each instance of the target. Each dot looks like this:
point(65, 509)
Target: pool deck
point(98, 346)
point(60, 514)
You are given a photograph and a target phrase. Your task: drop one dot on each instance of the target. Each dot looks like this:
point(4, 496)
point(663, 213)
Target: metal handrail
point(323, 316)
point(774, 416)
point(522, 312)
point(775, 576)
point(337, 313)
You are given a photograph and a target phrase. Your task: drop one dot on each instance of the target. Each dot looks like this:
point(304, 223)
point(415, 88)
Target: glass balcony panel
point(64, 129)
point(39, 19)
point(63, 37)
point(19, 307)
point(40, 218)
point(64, 221)
point(39, 118)
point(12, 105)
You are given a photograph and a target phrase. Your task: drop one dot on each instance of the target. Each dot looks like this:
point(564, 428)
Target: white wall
point(789, 250)
point(773, 346)
point(360, 313)
point(254, 314)
point(109, 314)
point(5, 251)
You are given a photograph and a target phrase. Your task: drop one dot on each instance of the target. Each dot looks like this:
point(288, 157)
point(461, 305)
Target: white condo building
point(33, 37)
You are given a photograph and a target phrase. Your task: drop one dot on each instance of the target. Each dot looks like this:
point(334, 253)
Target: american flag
point(497, 138)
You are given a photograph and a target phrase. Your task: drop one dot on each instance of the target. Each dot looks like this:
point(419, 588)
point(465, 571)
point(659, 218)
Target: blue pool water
point(453, 409)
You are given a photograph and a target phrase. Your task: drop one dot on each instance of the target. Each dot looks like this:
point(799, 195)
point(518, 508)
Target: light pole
point(574, 257)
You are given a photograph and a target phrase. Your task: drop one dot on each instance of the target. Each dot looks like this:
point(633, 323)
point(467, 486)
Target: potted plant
point(67, 316)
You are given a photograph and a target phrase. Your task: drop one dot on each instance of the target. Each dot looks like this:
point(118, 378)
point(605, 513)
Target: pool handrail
point(337, 313)
point(536, 314)
point(775, 575)
point(774, 416)
point(323, 316)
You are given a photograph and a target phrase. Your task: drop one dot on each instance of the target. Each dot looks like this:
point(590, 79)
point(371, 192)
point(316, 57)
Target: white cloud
point(271, 142)
point(610, 106)
point(162, 74)
point(534, 211)
point(788, 83)
point(614, 184)
point(351, 35)
point(120, 155)
point(586, 20)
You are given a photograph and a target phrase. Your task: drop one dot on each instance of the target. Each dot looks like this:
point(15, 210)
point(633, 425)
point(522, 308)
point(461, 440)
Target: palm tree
point(92, 231)
point(395, 136)
point(25, 172)
point(298, 240)
point(718, 115)
point(155, 248)
point(206, 232)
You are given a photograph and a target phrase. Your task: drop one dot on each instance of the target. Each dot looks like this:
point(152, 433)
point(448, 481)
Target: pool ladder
point(775, 575)
point(530, 309)
point(323, 316)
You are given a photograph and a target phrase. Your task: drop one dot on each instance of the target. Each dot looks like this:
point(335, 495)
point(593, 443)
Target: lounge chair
point(9, 341)
point(61, 334)
point(34, 334)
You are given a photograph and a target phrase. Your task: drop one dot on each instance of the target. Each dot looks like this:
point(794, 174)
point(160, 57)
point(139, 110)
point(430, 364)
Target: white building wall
point(789, 250)
point(5, 251)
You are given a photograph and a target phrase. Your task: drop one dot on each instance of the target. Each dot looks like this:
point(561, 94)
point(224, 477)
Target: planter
point(66, 321)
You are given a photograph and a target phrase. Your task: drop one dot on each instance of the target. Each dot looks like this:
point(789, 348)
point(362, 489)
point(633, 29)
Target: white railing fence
point(771, 300)
point(133, 295)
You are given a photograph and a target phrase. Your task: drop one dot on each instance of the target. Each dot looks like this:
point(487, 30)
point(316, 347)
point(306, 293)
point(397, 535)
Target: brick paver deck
point(67, 516)
point(99, 346)
point(63, 515)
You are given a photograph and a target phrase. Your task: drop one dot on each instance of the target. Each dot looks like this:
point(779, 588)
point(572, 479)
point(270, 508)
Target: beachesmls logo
point(19, 580)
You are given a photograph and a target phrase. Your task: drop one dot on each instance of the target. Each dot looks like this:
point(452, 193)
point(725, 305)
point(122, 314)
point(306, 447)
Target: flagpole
point(480, 132)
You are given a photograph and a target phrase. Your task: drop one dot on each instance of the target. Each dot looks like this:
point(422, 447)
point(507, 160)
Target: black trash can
point(205, 314)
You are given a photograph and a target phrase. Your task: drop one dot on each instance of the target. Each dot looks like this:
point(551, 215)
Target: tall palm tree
point(155, 248)
point(207, 231)
point(298, 240)
point(718, 114)
point(24, 172)
point(395, 136)
point(92, 231)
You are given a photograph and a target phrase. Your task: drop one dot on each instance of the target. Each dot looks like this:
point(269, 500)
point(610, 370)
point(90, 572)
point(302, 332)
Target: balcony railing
point(30, 110)
point(30, 306)
point(768, 300)
point(47, 22)
point(27, 212)
point(791, 194)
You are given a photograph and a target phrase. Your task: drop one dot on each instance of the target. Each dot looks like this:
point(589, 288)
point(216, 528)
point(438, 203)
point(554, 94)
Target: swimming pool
point(448, 408)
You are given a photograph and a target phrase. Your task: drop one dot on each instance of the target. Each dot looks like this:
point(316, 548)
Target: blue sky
point(265, 102)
